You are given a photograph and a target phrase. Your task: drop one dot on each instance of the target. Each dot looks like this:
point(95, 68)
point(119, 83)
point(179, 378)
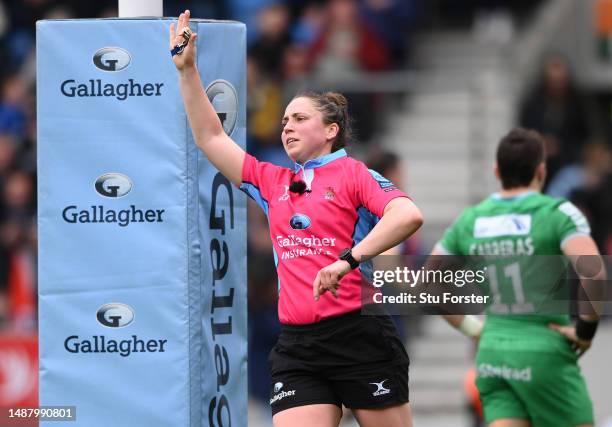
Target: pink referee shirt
point(309, 230)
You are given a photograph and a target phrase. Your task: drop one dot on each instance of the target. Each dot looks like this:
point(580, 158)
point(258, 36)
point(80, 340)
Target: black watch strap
point(347, 255)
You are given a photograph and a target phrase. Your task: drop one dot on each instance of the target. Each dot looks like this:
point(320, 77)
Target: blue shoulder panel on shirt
point(254, 193)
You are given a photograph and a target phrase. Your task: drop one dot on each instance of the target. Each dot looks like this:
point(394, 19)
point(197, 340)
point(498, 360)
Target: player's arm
point(206, 127)
point(587, 262)
point(467, 324)
point(400, 219)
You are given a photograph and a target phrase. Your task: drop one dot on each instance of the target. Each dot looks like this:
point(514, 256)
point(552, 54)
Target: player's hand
point(328, 279)
point(186, 59)
point(569, 332)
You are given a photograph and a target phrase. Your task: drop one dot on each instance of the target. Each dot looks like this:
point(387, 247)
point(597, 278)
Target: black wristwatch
point(347, 255)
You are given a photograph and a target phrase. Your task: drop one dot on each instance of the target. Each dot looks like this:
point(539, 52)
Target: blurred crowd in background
point(289, 42)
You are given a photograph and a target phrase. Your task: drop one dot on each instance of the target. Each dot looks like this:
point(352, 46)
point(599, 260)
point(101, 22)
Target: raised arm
point(206, 127)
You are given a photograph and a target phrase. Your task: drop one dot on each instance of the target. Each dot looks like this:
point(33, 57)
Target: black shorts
point(352, 360)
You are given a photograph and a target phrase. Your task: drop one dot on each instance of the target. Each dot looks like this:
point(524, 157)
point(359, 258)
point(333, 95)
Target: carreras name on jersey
point(504, 247)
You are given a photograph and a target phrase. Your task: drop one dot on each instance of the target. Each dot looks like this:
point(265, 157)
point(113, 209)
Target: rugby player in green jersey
point(528, 374)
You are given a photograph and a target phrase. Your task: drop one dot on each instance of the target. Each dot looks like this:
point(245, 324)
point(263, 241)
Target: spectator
point(592, 192)
point(264, 106)
point(584, 175)
point(17, 240)
point(247, 11)
point(346, 45)
point(309, 23)
point(13, 117)
point(392, 19)
point(295, 70)
point(273, 24)
point(557, 109)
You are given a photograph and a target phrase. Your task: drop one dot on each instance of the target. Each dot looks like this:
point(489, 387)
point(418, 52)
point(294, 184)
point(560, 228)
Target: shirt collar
point(320, 161)
point(519, 196)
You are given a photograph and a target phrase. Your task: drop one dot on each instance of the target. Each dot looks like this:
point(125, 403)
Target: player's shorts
point(545, 388)
point(352, 360)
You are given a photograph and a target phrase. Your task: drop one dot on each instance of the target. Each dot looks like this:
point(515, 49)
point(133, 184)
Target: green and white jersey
point(516, 234)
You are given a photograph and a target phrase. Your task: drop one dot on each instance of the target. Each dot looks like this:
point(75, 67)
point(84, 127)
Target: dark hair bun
point(334, 109)
point(336, 98)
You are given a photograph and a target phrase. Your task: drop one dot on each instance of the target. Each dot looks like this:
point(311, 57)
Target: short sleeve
point(258, 179)
point(374, 190)
point(569, 222)
point(449, 244)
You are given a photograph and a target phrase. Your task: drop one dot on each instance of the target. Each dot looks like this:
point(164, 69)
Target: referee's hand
point(186, 58)
point(328, 279)
point(569, 332)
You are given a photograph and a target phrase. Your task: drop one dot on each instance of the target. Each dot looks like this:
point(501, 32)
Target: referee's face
point(304, 134)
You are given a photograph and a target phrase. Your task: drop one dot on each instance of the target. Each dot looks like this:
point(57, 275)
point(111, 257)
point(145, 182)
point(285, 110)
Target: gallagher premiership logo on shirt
point(383, 182)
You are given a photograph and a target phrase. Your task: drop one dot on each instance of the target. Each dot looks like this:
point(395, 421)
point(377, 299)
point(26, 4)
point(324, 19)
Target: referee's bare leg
point(320, 415)
point(394, 416)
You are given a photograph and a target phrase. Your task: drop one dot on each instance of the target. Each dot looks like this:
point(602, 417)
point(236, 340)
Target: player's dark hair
point(333, 106)
point(518, 155)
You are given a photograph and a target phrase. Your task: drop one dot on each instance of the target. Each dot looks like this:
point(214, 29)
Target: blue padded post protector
point(142, 243)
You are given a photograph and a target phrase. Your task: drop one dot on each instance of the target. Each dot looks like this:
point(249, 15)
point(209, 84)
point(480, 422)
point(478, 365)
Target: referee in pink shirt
point(328, 216)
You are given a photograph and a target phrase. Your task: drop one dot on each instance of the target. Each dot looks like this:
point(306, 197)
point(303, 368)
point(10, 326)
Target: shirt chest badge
point(329, 193)
point(300, 221)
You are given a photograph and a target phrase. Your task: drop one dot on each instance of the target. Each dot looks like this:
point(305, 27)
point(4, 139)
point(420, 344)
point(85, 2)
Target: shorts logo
point(486, 370)
point(299, 222)
point(380, 389)
point(277, 397)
